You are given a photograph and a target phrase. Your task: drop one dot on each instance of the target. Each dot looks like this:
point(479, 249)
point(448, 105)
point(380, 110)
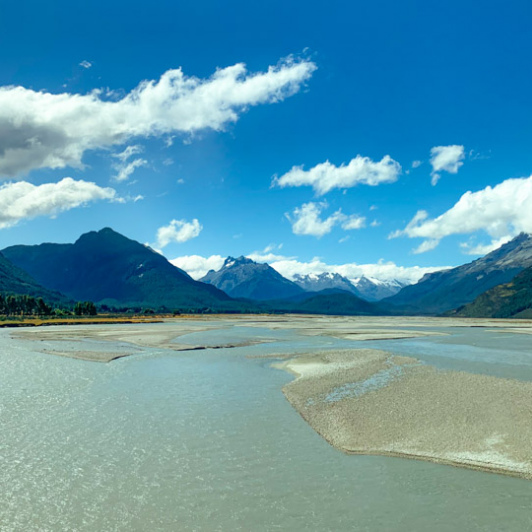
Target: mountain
point(510, 300)
point(14, 280)
point(445, 290)
point(331, 301)
point(244, 278)
point(373, 289)
point(108, 268)
point(325, 281)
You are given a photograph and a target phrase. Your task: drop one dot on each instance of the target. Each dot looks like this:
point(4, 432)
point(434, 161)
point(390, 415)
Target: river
point(205, 440)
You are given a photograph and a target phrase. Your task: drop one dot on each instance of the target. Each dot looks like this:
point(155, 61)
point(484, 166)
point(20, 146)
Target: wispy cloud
point(268, 254)
point(125, 170)
point(85, 64)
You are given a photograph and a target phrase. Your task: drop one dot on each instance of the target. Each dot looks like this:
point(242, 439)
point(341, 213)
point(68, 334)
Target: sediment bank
point(371, 402)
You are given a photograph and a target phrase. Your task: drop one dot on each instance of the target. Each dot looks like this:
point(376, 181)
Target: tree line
point(24, 305)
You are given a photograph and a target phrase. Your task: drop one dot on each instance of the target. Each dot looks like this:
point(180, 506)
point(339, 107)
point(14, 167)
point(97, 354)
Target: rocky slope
point(445, 290)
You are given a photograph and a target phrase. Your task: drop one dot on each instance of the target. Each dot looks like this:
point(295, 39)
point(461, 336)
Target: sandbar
point(365, 401)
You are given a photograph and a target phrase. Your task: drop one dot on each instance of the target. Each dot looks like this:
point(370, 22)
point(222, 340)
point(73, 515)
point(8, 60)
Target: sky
point(381, 138)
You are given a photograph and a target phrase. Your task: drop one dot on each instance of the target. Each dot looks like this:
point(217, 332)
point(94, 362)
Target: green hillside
point(333, 303)
point(14, 280)
point(108, 268)
point(510, 300)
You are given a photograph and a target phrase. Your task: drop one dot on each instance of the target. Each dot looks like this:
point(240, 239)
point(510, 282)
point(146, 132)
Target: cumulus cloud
point(197, 266)
point(502, 212)
point(326, 176)
point(43, 130)
point(23, 200)
point(445, 159)
point(306, 220)
point(177, 231)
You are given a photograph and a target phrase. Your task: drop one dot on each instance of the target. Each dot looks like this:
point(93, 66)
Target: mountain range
point(367, 288)
point(314, 282)
point(113, 270)
point(445, 290)
point(244, 278)
point(108, 268)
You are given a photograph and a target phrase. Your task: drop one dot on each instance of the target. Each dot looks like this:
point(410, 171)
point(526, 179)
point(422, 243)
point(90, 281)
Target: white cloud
point(426, 245)
point(306, 220)
point(445, 159)
point(197, 266)
point(484, 249)
point(326, 176)
point(22, 200)
point(268, 254)
point(502, 212)
point(85, 64)
point(354, 222)
point(416, 164)
point(177, 231)
point(43, 130)
point(135, 149)
point(125, 170)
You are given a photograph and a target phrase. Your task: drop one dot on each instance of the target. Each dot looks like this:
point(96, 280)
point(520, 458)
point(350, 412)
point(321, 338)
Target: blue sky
point(433, 98)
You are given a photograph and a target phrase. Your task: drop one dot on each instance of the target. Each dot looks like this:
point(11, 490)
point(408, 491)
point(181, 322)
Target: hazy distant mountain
point(373, 289)
point(510, 300)
point(14, 280)
point(330, 301)
point(244, 278)
point(106, 267)
point(314, 282)
point(449, 289)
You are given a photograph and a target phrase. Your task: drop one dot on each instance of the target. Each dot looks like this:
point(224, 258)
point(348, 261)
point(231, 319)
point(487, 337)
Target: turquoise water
point(205, 440)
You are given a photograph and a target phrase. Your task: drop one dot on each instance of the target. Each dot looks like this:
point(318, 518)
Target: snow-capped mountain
point(242, 277)
point(373, 289)
point(314, 282)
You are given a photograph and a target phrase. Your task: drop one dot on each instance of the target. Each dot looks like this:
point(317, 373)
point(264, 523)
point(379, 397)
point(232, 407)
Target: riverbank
point(93, 320)
point(371, 402)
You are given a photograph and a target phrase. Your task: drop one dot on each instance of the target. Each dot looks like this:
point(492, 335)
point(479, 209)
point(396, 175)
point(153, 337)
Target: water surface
point(205, 440)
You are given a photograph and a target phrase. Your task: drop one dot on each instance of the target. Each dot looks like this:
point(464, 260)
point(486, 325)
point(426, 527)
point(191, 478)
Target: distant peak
point(232, 261)
point(107, 230)
point(106, 235)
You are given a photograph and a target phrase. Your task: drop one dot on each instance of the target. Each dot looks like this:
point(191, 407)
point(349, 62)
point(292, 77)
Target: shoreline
point(40, 322)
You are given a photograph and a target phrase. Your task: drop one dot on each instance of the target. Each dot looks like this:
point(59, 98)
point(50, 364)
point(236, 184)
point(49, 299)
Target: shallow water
point(205, 440)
